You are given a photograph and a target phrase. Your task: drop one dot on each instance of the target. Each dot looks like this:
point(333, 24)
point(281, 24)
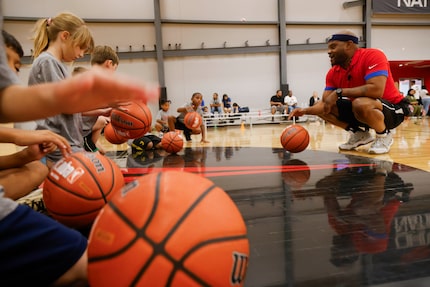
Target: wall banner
point(401, 6)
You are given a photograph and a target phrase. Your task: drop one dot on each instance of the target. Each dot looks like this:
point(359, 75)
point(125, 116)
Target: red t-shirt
point(365, 64)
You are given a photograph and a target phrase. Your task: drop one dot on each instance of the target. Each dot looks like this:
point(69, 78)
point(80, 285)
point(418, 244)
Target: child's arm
point(38, 142)
point(90, 90)
point(203, 140)
point(98, 112)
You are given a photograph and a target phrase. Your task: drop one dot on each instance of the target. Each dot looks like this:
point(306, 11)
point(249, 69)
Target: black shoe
point(187, 135)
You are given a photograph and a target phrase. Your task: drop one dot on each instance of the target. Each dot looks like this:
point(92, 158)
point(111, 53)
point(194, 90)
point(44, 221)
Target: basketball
point(294, 138)
point(133, 120)
point(79, 185)
point(155, 232)
point(193, 120)
point(112, 136)
point(172, 142)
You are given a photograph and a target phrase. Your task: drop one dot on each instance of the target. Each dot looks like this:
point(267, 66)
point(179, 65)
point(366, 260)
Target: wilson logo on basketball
point(98, 165)
point(120, 120)
point(238, 271)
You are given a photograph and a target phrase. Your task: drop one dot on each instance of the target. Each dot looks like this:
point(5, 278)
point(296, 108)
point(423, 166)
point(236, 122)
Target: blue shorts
point(36, 250)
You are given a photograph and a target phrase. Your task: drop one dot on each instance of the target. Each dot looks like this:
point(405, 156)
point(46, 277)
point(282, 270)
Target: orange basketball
point(168, 228)
point(112, 136)
point(193, 120)
point(295, 138)
point(172, 142)
point(79, 185)
point(133, 120)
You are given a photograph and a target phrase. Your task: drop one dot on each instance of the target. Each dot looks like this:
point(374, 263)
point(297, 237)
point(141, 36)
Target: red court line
point(132, 173)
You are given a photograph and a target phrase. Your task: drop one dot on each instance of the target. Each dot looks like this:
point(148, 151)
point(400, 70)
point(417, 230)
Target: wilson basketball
point(155, 232)
point(133, 120)
point(294, 138)
point(193, 120)
point(172, 142)
point(112, 135)
point(79, 185)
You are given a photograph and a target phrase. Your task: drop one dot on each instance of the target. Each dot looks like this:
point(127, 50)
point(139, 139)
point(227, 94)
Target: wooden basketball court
point(320, 217)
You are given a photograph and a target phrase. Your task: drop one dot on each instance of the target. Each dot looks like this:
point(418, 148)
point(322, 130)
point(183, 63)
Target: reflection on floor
point(315, 218)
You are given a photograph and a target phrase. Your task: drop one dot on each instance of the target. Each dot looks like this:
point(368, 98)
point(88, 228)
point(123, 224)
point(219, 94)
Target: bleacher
point(250, 118)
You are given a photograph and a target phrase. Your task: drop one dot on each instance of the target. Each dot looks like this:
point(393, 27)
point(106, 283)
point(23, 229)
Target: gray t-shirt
point(46, 68)
point(189, 106)
point(7, 78)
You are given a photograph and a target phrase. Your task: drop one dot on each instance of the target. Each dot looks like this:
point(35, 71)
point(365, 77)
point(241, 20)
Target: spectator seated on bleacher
point(277, 104)
point(216, 104)
point(416, 108)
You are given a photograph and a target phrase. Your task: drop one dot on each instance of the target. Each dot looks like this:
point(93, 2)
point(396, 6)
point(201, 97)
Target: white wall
point(249, 79)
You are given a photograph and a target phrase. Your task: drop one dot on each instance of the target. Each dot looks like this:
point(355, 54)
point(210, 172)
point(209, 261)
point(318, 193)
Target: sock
point(385, 131)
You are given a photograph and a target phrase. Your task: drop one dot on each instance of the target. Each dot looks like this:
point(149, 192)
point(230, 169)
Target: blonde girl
point(57, 41)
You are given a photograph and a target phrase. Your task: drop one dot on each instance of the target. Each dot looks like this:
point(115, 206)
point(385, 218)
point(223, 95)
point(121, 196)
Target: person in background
point(425, 99)
point(416, 108)
point(216, 104)
point(95, 121)
point(290, 102)
point(162, 118)
point(178, 122)
point(417, 89)
point(314, 99)
point(277, 103)
point(236, 108)
point(226, 103)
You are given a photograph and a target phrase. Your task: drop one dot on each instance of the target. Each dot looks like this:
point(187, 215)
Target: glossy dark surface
point(316, 218)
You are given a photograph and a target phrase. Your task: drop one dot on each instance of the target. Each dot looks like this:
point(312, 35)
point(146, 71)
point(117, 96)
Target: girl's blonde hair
point(46, 31)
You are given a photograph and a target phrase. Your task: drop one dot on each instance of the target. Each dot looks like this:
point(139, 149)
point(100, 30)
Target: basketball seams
point(100, 189)
point(121, 215)
point(159, 249)
point(135, 118)
point(70, 191)
point(141, 233)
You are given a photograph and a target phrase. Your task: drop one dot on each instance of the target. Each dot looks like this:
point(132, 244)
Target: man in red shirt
point(359, 94)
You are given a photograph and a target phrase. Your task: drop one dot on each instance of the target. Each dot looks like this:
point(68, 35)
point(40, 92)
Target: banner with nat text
point(401, 6)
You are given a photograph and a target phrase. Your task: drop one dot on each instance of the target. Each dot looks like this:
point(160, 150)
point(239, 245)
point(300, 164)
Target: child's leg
point(18, 182)
point(98, 127)
point(181, 126)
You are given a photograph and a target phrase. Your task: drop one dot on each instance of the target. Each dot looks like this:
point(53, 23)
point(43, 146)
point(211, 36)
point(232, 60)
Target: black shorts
point(394, 114)
point(89, 145)
point(179, 125)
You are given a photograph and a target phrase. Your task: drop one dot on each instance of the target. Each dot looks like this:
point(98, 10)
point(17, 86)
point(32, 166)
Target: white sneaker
point(356, 139)
point(381, 144)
